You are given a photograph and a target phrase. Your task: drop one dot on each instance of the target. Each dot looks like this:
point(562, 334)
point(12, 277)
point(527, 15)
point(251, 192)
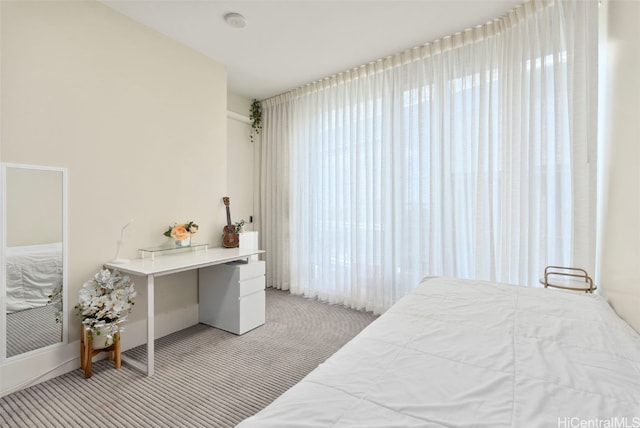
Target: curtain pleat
point(472, 156)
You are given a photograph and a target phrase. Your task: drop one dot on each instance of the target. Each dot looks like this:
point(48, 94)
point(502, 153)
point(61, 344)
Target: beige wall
point(238, 104)
point(140, 123)
point(242, 174)
point(620, 244)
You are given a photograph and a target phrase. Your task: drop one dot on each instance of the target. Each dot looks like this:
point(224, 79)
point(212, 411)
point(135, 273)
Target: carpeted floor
point(204, 377)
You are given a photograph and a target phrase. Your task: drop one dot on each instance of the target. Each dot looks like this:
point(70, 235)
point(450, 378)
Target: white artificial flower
point(105, 301)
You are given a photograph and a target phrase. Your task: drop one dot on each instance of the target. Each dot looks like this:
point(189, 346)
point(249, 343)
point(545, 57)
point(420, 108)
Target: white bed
point(461, 353)
point(33, 271)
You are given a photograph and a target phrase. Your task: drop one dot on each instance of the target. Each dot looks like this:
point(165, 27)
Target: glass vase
point(183, 242)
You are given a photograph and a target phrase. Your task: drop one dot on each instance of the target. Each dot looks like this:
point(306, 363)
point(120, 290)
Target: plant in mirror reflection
point(104, 303)
point(55, 299)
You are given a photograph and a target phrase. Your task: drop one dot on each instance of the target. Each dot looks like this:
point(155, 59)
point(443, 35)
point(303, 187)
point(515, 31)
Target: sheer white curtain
point(473, 156)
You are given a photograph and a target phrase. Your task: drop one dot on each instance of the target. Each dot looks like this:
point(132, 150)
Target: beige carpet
point(204, 377)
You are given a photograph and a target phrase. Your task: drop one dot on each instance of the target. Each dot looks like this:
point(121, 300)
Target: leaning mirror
point(34, 256)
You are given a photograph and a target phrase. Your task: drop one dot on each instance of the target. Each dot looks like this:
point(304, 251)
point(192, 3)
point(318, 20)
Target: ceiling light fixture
point(235, 20)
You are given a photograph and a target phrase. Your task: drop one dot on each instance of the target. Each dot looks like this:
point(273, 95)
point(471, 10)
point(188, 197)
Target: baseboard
point(22, 372)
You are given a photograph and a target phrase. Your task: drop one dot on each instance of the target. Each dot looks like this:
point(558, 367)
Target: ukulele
point(229, 236)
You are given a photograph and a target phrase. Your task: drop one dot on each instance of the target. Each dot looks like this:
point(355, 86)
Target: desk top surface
point(172, 263)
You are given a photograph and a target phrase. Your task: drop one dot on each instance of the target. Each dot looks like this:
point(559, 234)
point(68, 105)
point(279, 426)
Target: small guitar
point(229, 236)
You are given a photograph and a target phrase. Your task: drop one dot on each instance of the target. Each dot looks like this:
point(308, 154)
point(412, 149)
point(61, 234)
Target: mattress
point(463, 353)
point(33, 271)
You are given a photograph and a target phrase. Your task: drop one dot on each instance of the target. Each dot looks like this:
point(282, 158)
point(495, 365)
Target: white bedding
point(33, 271)
point(462, 353)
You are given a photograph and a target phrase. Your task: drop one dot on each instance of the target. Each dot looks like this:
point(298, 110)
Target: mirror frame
point(3, 251)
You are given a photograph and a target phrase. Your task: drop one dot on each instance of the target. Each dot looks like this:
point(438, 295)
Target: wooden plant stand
point(87, 352)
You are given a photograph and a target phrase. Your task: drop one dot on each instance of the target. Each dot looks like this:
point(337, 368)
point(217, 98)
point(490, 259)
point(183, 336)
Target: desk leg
point(150, 325)
point(150, 334)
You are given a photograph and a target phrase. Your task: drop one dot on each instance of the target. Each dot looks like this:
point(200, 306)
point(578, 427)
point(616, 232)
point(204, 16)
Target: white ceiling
point(289, 43)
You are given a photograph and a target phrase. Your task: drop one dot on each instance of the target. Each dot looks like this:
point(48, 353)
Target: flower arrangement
point(238, 226)
point(104, 303)
point(180, 231)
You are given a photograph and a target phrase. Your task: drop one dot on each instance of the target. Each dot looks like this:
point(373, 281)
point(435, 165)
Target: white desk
point(166, 265)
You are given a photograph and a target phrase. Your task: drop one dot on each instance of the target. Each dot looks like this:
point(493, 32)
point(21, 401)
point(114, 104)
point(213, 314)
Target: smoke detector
point(235, 20)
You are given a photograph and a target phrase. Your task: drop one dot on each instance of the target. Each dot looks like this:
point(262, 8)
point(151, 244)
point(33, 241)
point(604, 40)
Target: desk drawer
point(251, 286)
point(252, 312)
point(249, 270)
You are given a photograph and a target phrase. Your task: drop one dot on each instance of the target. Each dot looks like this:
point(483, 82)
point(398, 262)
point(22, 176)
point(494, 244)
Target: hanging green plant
point(256, 118)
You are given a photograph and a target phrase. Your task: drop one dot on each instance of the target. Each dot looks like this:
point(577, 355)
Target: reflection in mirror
point(34, 203)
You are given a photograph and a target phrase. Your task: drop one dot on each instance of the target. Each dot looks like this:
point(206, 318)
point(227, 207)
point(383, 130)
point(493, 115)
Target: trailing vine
point(256, 118)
